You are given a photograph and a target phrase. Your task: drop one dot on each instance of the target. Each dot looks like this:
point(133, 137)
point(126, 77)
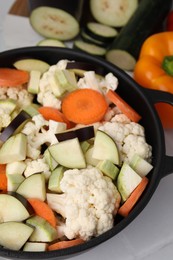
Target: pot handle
point(168, 165)
point(156, 96)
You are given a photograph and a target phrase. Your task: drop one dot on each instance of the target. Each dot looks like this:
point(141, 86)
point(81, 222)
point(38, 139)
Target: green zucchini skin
point(91, 49)
point(87, 38)
point(145, 21)
point(98, 35)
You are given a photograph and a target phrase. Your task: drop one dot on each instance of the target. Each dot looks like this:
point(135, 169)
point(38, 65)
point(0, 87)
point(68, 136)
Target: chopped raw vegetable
point(125, 209)
point(51, 113)
point(84, 106)
point(123, 106)
point(42, 209)
point(3, 177)
point(65, 244)
point(13, 77)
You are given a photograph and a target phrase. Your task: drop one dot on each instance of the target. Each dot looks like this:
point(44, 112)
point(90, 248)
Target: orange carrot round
point(123, 106)
point(43, 210)
point(65, 244)
point(13, 77)
point(84, 106)
point(125, 209)
point(51, 113)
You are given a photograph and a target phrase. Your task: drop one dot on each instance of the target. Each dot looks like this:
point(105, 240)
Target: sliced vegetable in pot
point(31, 64)
point(83, 134)
point(84, 106)
point(65, 244)
point(54, 23)
point(13, 77)
point(14, 125)
point(123, 106)
point(126, 208)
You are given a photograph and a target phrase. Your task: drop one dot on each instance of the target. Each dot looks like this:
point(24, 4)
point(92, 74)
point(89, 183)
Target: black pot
point(142, 100)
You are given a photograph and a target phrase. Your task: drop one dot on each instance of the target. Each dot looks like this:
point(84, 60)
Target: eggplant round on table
point(142, 100)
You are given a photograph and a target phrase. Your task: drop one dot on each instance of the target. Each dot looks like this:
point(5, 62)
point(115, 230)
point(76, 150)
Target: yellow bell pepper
point(154, 69)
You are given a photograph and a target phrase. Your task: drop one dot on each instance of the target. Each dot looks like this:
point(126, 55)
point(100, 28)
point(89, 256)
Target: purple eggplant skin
point(66, 135)
point(15, 123)
point(86, 67)
point(83, 134)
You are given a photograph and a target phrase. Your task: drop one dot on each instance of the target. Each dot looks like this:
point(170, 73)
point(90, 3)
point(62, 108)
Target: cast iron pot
point(142, 100)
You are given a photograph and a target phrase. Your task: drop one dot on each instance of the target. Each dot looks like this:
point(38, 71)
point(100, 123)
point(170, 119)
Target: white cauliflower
point(37, 166)
point(5, 118)
point(88, 203)
point(129, 137)
point(103, 84)
point(46, 96)
point(39, 132)
point(19, 93)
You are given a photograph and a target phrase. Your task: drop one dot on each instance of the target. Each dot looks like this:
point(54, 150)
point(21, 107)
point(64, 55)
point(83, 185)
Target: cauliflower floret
point(135, 144)
point(39, 132)
point(90, 80)
point(5, 118)
point(18, 93)
point(46, 96)
point(109, 82)
point(129, 137)
point(88, 202)
point(35, 166)
point(120, 118)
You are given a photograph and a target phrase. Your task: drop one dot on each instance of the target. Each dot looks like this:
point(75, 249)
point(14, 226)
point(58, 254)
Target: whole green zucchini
point(125, 49)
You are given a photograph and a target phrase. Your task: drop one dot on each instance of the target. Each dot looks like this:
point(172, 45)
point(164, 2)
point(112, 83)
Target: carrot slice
point(51, 113)
point(65, 244)
point(3, 178)
point(123, 106)
point(2, 168)
point(84, 106)
point(43, 210)
point(13, 77)
point(125, 209)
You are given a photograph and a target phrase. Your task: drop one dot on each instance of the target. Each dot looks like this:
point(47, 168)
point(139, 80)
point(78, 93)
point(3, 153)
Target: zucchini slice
point(101, 32)
point(89, 39)
point(125, 49)
point(89, 48)
point(31, 64)
point(54, 23)
point(114, 13)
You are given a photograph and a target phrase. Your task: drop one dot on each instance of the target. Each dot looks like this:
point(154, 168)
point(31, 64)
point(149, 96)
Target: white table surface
point(150, 235)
